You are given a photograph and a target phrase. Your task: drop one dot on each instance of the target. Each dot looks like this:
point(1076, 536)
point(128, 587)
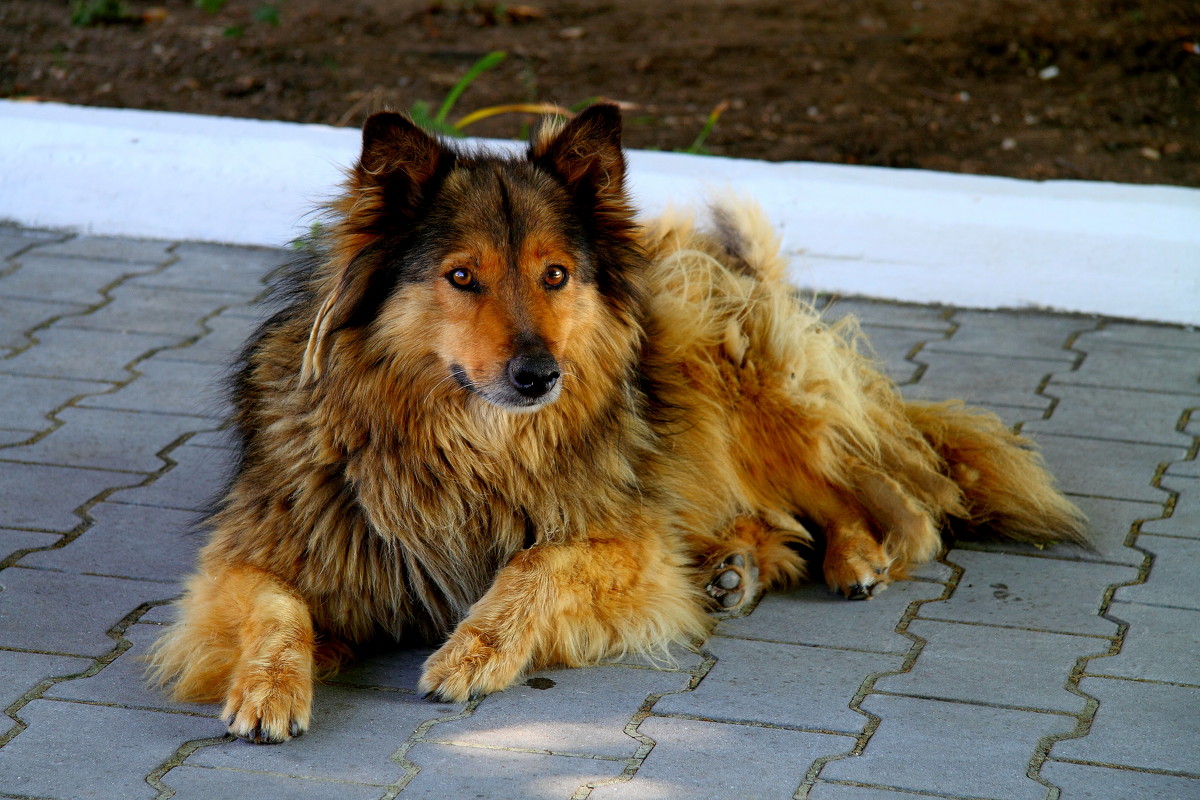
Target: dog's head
point(501, 271)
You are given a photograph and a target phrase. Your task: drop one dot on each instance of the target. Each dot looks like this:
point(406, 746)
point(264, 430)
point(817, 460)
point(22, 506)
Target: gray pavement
point(1002, 672)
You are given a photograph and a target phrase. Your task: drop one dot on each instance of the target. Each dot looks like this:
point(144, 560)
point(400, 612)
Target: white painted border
point(1115, 249)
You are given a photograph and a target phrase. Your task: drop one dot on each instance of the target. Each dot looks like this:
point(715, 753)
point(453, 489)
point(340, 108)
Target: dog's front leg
point(569, 604)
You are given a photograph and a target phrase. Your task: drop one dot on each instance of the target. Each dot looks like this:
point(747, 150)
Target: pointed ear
point(586, 152)
point(399, 158)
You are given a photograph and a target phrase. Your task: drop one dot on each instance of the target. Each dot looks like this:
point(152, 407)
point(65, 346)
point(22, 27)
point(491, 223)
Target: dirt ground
point(1090, 89)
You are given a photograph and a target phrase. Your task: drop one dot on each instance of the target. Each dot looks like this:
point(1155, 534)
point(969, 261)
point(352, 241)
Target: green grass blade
point(478, 68)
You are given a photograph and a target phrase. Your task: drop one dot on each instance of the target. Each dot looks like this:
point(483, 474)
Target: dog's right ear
point(391, 181)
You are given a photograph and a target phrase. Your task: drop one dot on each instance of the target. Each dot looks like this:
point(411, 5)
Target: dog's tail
point(1007, 491)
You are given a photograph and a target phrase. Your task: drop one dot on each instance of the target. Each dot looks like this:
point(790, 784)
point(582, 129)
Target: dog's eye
point(462, 278)
point(555, 276)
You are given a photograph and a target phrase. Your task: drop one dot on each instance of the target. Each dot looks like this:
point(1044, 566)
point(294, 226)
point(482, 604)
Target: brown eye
point(555, 276)
point(462, 278)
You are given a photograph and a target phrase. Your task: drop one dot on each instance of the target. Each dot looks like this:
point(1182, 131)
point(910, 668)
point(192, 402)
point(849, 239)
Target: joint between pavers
point(1148, 681)
point(897, 789)
point(922, 367)
point(804, 644)
point(977, 703)
point(1126, 768)
point(750, 723)
point(155, 778)
point(410, 767)
point(538, 751)
point(1080, 356)
point(867, 687)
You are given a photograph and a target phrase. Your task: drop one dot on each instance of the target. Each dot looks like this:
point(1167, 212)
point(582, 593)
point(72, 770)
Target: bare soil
point(1041, 89)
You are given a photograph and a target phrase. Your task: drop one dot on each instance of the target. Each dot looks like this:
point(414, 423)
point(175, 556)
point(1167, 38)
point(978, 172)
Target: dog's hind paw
point(261, 712)
point(734, 583)
point(858, 575)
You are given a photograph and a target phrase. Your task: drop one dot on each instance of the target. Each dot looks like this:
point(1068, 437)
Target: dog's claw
point(859, 592)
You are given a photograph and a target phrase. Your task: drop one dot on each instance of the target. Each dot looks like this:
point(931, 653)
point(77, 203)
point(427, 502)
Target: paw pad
point(733, 582)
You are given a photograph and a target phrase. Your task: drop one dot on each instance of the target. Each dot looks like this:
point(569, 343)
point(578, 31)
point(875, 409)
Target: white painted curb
point(1120, 250)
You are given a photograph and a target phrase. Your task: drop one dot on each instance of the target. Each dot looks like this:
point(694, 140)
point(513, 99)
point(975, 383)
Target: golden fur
point(495, 411)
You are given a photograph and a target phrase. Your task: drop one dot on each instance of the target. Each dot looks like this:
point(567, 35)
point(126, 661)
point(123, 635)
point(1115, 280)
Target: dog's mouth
point(524, 386)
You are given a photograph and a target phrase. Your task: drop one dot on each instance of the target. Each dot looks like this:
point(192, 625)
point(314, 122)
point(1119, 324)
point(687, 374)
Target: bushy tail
point(1008, 492)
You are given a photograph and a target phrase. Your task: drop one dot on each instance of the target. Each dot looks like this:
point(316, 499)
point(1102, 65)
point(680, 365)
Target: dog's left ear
point(586, 154)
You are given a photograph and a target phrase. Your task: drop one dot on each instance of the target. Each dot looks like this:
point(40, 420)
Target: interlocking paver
point(353, 738)
point(15, 240)
point(1036, 593)
point(17, 317)
point(66, 280)
point(1023, 668)
point(82, 354)
point(201, 783)
point(979, 378)
point(1173, 577)
point(893, 346)
point(812, 615)
point(24, 671)
point(1140, 725)
point(823, 790)
point(167, 386)
point(109, 248)
point(26, 401)
point(130, 542)
point(1116, 470)
point(584, 712)
point(227, 334)
point(191, 485)
point(1185, 517)
point(74, 611)
point(217, 268)
point(105, 756)
point(1113, 360)
point(1108, 526)
point(145, 309)
point(1093, 782)
point(12, 541)
point(1013, 333)
point(45, 497)
point(964, 750)
point(780, 684)
point(1120, 414)
point(891, 315)
point(108, 439)
point(690, 761)
point(449, 771)
point(1162, 644)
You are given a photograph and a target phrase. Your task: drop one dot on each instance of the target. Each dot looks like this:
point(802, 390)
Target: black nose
point(533, 374)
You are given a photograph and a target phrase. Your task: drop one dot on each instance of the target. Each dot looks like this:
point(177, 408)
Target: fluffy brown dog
point(494, 407)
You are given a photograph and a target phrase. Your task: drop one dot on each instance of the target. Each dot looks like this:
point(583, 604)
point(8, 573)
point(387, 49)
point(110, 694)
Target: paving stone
point(11, 436)
point(199, 783)
point(16, 240)
point(840, 791)
point(1172, 577)
point(12, 541)
point(1014, 333)
point(1119, 414)
point(890, 315)
point(1115, 470)
point(137, 251)
point(168, 387)
point(1036, 593)
point(25, 401)
point(70, 614)
point(677, 658)
point(85, 355)
point(17, 317)
point(199, 474)
point(23, 671)
point(892, 346)
point(395, 668)
point(448, 771)
point(981, 378)
point(67, 280)
point(692, 760)
point(219, 439)
point(107, 755)
point(584, 712)
point(143, 309)
point(1161, 644)
point(812, 615)
point(997, 666)
point(217, 268)
point(1137, 367)
point(1139, 725)
point(1185, 518)
point(780, 684)
point(123, 682)
point(1149, 334)
point(1109, 523)
point(128, 541)
point(109, 439)
point(991, 749)
point(227, 334)
point(353, 738)
point(1188, 469)
point(1091, 782)
point(45, 497)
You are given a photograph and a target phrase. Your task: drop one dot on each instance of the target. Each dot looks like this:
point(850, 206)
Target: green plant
point(697, 145)
point(436, 122)
point(93, 12)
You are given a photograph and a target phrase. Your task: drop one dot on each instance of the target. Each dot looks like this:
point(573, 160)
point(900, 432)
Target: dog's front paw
point(858, 572)
point(734, 583)
point(264, 709)
point(468, 666)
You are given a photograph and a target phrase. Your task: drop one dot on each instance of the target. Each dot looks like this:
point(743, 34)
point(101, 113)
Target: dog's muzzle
point(533, 374)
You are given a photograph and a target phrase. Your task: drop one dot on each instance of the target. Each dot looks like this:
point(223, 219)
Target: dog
point(497, 412)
